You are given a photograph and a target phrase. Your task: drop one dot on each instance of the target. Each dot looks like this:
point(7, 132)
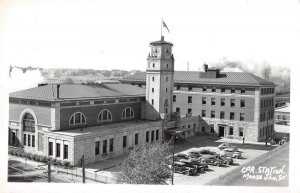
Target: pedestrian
point(243, 140)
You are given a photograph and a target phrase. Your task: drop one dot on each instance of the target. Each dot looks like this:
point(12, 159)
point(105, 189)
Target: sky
point(115, 34)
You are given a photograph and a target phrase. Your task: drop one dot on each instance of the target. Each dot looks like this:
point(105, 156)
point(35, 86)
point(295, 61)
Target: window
point(104, 147)
point(157, 134)
point(127, 113)
point(124, 141)
point(213, 89)
point(213, 101)
point(190, 99)
point(177, 110)
point(230, 130)
point(222, 115)
point(66, 151)
point(242, 103)
point(111, 144)
point(167, 65)
point(232, 90)
point(147, 136)
point(97, 147)
point(24, 139)
point(174, 98)
point(166, 90)
point(136, 139)
point(232, 102)
point(28, 123)
point(50, 149)
point(190, 88)
point(204, 89)
point(222, 101)
point(222, 89)
point(203, 100)
point(153, 65)
point(242, 117)
point(152, 89)
point(57, 149)
point(243, 91)
point(231, 116)
point(203, 113)
point(167, 79)
point(178, 87)
point(203, 128)
point(189, 111)
point(212, 128)
point(77, 119)
point(33, 141)
point(166, 110)
point(152, 101)
point(241, 132)
point(152, 135)
point(29, 140)
point(104, 115)
point(153, 78)
point(212, 114)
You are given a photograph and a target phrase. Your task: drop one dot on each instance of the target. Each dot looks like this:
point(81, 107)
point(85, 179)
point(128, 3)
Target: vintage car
point(200, 153)
point(182, 168)
point(227, 145)
point(179, 156)
point(190, 163)
point(212, 160)
point(231, 152)
point(226, 160)
point(199, 163)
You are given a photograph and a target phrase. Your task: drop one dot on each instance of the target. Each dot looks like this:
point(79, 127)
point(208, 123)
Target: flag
point(165, 25)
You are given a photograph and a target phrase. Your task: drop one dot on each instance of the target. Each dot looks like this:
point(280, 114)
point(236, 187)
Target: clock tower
point(159, 80)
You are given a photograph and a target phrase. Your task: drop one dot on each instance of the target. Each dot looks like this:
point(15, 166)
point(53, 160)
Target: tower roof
point(160, 42)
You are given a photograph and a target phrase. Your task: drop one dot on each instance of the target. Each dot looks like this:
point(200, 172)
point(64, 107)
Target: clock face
point(156, 51)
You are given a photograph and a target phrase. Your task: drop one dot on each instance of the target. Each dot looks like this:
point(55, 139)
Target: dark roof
point(79, 91)
point(194, 77)
point(160, 42)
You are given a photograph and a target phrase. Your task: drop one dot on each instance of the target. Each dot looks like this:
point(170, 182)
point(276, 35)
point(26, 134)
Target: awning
point(179, 130)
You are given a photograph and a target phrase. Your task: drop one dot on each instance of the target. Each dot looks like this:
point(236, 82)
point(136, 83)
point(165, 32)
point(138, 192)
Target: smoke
point(20, 79)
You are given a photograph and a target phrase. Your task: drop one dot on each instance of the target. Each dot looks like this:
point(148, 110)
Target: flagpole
point(161, 24)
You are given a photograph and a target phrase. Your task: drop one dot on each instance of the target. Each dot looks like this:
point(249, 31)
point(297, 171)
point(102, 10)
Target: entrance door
point(221, 131)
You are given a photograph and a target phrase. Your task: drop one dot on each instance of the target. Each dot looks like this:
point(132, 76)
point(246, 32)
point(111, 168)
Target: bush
point(59, 162)
point(29, 155)
point(13, 152)
point(66, 164)
point(54, 161)
point(36, 158)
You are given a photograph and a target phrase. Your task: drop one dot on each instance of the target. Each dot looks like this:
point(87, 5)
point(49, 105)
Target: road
point(270, 169)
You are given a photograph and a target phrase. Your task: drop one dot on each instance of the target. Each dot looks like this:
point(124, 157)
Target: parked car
point(227, 145)
point(200, 153)
point(284, 139)
point(231, 152)
point(179, 156)
point(226, 160)
point(211, 159)
point(192, 164)
point(199, 163)
point(194, 154)
point(182, 168)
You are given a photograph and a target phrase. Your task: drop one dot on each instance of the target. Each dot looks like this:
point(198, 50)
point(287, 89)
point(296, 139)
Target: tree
point(146, 164)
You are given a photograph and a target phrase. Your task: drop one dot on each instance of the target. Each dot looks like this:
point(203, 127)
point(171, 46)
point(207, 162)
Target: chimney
point(57, 91)
point(205, 67)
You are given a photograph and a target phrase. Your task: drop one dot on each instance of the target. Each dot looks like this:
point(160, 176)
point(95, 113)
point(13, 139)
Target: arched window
point(127, 113)
point(104, 115)
point(77, 119)
point(28, 123)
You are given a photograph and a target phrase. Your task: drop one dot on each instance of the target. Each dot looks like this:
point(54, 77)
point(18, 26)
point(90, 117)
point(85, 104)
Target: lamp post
point(267, 116)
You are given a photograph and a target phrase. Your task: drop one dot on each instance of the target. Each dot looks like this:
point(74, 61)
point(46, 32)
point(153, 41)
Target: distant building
point(282, 121)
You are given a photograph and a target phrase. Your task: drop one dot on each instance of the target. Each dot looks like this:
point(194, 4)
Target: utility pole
point(49, 171)
point(83, 169)
point(267, 116)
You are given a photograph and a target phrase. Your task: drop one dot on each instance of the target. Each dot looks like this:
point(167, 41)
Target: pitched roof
point(226, 78)
point(78, 91)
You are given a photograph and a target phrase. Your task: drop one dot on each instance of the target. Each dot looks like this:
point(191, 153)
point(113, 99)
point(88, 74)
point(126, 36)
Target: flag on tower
point(165, 25)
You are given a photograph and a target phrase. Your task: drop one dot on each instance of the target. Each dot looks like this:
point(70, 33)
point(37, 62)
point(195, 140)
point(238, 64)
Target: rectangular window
point(157, 134)
point(231, 116)
point(222, 101)
point(241, 132)
point(222, 89)
point(212, 114)
point(222, 115)
point(242, 103)
point(111, 144)
point(243, 91)
point(230, 130)
point(33, 141)
point(190, 99)
point(189, 111)
point(152, 135)
point(190, 88)
point(24, 139)
point(213, 101)
point(152, 101)
point(147, 136)
point(203, 100)
point(153, 78)
point(203, 113)
point(204, 89)
point(29, 140)
point(174, 98)
point(136, 139)
point(212, 128)
point(166, 90)
point(124, 141)
point(97, 147)
point(232, 102)
point(242, 117)
point(152, 89)
point(104, 146)
point(50, 149)
point(177, 109)
point(57, 149)
point(203, 128)
point(213, 89)
point(232, 90)
point(178, 87)
point(167, 79)
point(66, 151)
